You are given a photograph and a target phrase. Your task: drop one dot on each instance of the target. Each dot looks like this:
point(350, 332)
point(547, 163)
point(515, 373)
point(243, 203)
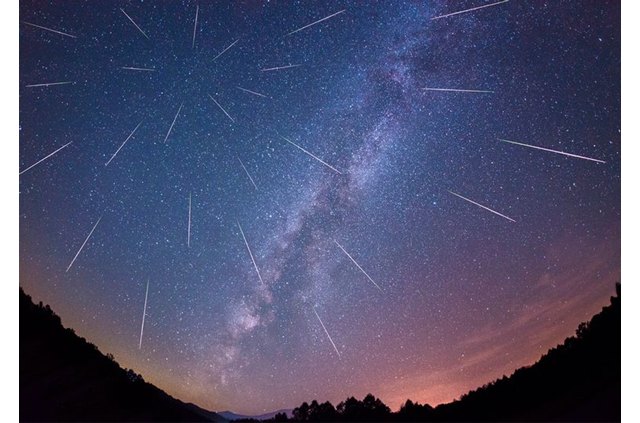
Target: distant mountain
point(65, 378)
point(208, 415)
point(231, 416)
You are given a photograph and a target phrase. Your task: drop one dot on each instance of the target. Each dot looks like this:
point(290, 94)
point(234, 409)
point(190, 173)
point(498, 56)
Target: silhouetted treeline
point(65, 378)
point(576, 381)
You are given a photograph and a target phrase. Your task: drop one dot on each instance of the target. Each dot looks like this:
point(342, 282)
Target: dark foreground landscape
point(65, 378)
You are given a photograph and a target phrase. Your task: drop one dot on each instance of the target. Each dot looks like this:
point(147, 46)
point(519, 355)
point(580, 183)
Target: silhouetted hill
point(576, 381)
point(65, 378)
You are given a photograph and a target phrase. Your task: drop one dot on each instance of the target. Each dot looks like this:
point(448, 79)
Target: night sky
point(453, 295)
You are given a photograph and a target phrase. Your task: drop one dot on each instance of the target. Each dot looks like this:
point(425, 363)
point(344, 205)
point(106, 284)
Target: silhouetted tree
point(313, 409)
point(133, 376)
point(412, 412)
point(375, 406)
point(369, 409)
point(280, 417)
point(324, 412)
point(349, 407)
point(301, 413)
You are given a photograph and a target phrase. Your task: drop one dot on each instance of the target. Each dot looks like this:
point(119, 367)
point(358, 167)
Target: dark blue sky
point(465, 295)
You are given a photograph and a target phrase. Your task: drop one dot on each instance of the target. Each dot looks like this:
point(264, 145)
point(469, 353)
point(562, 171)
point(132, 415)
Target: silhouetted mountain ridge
point(578, 380)
point(65, 378)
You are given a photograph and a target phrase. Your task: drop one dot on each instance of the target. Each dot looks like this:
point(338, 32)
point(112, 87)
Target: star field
point(208, 183)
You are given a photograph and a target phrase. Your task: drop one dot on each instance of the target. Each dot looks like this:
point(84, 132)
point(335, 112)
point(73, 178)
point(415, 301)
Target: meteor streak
point(317, 22)
point(174, 122)
point(144, 312)
point(83, 244)
point(195, 25)
point(49, 29)
point(222, 52)
point(134, 23)
point(250, 253)
point(138, 69)
point(47, 84)
point(247, 172)
point(44, 158)
point(318, 159)
point(252, 92)
point(280, 67)
point(356, 263)
point(125, 141)
point(189, 225)
point(221, 108)
point(470, 10)
point(457, 90)
point(484, 207)
point(552, 151)
point(325, 331)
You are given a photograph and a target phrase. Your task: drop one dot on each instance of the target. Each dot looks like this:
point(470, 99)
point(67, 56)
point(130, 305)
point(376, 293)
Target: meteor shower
point(319, 210)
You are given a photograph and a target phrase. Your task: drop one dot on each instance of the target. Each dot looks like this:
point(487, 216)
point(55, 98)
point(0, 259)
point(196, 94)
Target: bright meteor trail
point(173, 123)
point(48, 84)
point(317, 22)
point(83, 244)
point(356, 263)
point(252, 92)
point(470, 10)
point(327, 332)
point(552, 151)
point(125, 141)
point(315, 157)
point(49, 29)
point(280, 67)
point(44, 158)
point(455, 90)
point(189, 224)
point(144, 313)
point(222, 52)
point(250, 253)
point(484, 207)
point(247, 172)
point(135, 24)
point(221, 108)
point(195, 26)
point(137, 69)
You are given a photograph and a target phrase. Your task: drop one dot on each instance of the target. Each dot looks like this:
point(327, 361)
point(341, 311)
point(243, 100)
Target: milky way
point(261, 218)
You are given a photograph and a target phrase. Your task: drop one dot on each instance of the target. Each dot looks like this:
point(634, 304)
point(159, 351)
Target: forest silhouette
point(65, 378)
